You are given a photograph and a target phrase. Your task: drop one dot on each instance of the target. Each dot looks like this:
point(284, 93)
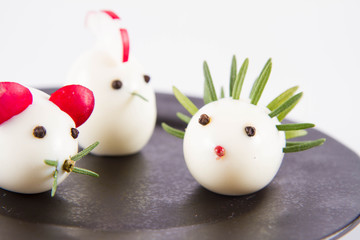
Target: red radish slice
point(77, 101)
point(126, 44)
point(14, 99)
point(111, 14)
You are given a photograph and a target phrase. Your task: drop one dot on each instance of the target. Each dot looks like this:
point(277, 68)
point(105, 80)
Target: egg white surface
point(22, 154)
point(249, 163)
point(121, 122)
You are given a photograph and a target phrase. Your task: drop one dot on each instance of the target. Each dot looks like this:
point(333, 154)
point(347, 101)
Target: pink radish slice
point(77, 101)
point(126, 44)
point(14, 99)
point(111, 14)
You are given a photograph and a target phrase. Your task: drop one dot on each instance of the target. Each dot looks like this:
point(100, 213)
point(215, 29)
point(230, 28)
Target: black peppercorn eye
point(116, 84)
point(204, 119)
point(147, 78)
point(250, 131)
point(39, 132)
point(74, 133)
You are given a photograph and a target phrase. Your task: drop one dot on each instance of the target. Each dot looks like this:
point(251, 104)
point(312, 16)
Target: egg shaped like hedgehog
point(124, 116)
point(235, 146)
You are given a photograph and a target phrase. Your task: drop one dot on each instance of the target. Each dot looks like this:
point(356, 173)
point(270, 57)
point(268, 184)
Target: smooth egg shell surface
point(249, 163)
point(22, 154)
point(121, 122)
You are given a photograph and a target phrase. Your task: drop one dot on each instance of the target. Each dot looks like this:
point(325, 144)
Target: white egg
point(121, 121)
point(22, 154)
point(249, 163)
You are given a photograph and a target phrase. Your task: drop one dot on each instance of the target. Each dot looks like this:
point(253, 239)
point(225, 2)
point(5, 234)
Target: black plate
point(151, 195)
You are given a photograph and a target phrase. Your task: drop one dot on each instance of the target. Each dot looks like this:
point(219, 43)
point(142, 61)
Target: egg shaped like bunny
point(235, 146)
point(38, 130)
point(124, 116)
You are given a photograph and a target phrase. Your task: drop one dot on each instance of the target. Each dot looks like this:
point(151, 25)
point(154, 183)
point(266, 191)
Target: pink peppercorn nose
point(219, 151)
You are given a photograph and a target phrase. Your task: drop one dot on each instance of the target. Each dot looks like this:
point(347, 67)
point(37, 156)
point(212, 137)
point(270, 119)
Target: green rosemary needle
point(173, 131)
point(260, 83)
point(232, 74)
point(289, 104)
point(84, 152)
point(283, 97)
point(301, 146)
point(140, 96)
point(294, 126)
point(85, 172)
point(295, 134)
point(185, 101)
point(240, 79)
point(183, 117)
point(54, 186)
point(209, 83)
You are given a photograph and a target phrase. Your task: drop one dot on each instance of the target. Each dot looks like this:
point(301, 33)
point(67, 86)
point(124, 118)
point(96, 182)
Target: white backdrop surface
point(314, 44)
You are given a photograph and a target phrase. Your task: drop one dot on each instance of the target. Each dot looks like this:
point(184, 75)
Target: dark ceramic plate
point(151, 195)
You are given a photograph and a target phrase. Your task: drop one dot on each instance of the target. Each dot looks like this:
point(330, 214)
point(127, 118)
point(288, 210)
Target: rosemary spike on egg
point(240, 79)
point(173, 131)
point(185, 101)
point(183, 117)
point(232, 74)
point(283, 97)
point(209, 82)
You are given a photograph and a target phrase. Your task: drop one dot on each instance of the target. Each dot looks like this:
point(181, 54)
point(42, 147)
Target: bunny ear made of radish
point(14, 99)
point(75, 100)
point(111, 35)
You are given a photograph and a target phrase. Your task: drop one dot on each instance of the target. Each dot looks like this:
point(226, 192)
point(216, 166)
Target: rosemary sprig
point(260, 83)
point(240, 79)
point(84, 152)
point(183, 117)
point(294, 126)
point(185, 101)
point(173, 131)
point(289, 104)
point(295, 134)
point(283, 97)
point(54, 186)
point(301, 146)
point(140, 96)
point(232, 74)
point(85, 172)
point(209, 83)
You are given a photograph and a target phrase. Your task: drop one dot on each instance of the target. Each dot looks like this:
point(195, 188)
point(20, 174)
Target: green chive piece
point(294, 126)
point(260, 83)
point(283, 97)
point(209, 83)
point(183, 117)
point(302, 146)
point(295, 134)
point(232, 74)
point(85, 172)
point(222, 93)
point(240, 79)
point(54, 186)
point(140, 96)
point(185, 101)
point(290, 103)
point(51, 163)
point(84, 152)
point(173, 131)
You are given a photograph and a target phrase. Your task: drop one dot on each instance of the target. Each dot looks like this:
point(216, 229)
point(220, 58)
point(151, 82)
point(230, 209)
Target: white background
point(313, 43)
